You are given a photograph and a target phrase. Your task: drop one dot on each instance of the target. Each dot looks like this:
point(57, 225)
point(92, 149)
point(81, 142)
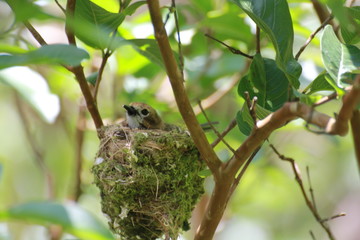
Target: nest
point(148, 180)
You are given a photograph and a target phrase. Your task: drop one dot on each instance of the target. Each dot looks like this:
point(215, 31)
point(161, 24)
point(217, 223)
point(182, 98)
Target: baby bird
point(141, 115)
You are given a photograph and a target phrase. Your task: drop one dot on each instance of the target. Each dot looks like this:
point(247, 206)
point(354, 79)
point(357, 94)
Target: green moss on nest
point(148, 180)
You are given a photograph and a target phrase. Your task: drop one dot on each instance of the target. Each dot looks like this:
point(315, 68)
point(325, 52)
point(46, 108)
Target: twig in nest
point(231, 49)
point(311, 206)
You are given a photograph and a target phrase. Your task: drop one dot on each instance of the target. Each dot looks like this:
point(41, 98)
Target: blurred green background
point(40, 109)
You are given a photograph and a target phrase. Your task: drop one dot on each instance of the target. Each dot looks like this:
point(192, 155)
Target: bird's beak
point(130, 110)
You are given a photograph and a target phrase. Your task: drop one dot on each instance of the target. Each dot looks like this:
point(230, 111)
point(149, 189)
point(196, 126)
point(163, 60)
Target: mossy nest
point(148, 180)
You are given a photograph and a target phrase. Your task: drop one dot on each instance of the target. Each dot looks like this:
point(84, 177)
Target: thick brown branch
point(177, 83)
point(90, 103)
point(321, 11)
point(355, 128)
point(265, 127)
point(70, 9)
point(350, 102)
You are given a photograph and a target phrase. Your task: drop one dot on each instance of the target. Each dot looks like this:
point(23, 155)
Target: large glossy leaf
point(70, 216)
point(267, 82)
point(48, 54)
point(273, 17)
point(245, 121)
point(94, 25)
point(339, 59)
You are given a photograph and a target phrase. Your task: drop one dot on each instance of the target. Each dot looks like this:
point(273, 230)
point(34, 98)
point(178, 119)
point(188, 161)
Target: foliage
point(43, 123)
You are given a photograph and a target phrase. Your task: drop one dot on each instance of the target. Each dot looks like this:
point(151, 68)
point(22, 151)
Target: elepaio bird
point(141, 115)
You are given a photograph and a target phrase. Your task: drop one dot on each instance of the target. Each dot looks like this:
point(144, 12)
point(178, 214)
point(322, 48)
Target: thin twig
point(308, 202)
point(333, 217)
point(181, 57)
point(61, 7)
point(312, 235)
point(231, 125)
point(35, 33)
point(312, 35)
point(215, 130)
point(105, 57)
point(310, 188)
point(243, 169)
point(231, 49)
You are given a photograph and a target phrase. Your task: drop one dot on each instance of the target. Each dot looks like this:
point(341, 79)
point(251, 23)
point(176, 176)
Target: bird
point(142, 116)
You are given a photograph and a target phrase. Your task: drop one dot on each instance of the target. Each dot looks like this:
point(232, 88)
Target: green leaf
point(320, 83)
point(70, 216)
point(148, 48)
point(273, 17)
point(265, 81)
point(205, 173)
point(245, 121)
point(94, 25)
point(350, 31)
point(92, 78)
point(340, 60)
point(130, 10)
point(48, 54)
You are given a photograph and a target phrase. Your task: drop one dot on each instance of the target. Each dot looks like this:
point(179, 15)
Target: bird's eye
point(145, 112)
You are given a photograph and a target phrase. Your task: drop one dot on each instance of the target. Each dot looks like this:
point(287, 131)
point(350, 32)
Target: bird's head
point(141, 115)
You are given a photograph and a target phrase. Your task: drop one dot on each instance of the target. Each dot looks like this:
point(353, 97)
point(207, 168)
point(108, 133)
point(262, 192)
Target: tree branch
point(231, 49)
point(177, 83)
point(312, 35)
point(35, 33)
point(309, 203)
point(231, 125)
point(321, 11)
point(355, 129)
point(293, 110)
